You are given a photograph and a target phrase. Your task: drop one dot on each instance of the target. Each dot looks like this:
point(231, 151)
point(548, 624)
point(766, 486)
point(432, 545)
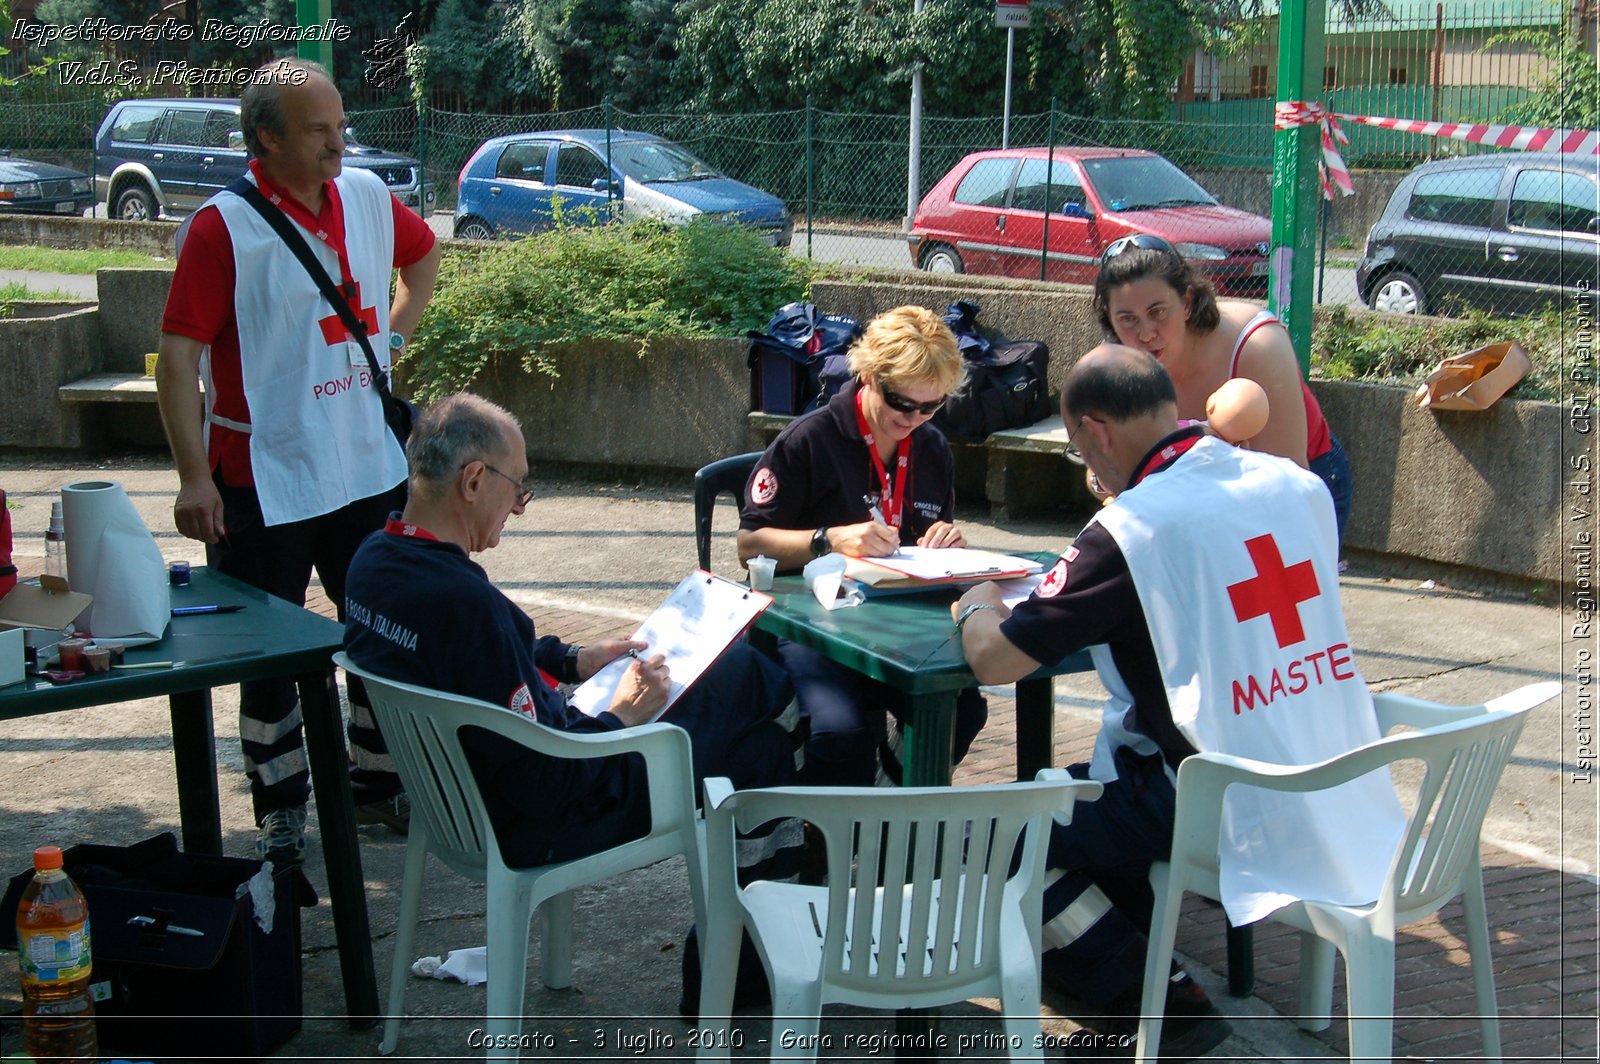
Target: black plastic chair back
point(724, 475)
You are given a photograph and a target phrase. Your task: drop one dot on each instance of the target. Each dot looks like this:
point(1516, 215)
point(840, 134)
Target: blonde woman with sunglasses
point(861, 476)
point(1148, 297)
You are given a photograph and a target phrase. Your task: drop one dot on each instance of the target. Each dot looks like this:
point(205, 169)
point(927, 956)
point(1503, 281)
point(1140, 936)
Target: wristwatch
point(396, 341)
point(819, 542)
point(968, 610)
point(569, 664)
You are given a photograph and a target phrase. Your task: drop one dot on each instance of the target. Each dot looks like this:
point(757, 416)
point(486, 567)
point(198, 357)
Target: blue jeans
point(1334, 469)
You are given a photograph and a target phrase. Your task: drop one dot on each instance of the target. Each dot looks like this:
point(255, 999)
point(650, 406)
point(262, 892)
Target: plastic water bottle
point(55, 543)
point(54, 956)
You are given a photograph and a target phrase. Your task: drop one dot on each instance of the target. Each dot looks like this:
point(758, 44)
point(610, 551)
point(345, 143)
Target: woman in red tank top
point(1148, 297)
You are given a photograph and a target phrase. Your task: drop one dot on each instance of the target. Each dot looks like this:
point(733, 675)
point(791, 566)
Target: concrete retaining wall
point(153, 238)
point(1474, 490)
point(678, 406)
point(43, 348)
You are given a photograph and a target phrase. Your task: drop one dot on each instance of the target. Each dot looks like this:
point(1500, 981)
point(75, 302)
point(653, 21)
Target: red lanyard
point(893, 510)
point(396, 527)
point(331, 235)
point(1164, 457)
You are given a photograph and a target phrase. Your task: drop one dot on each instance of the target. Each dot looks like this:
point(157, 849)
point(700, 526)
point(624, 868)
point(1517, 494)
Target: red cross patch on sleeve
point(1054, 582)
point(764, 486)
point(521, 701)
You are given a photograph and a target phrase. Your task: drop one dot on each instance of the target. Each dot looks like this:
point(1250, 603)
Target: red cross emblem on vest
point(333, 330)
point(1275, 591)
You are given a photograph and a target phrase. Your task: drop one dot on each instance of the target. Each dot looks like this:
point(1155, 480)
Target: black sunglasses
point(1145, 241)
point(899, 402)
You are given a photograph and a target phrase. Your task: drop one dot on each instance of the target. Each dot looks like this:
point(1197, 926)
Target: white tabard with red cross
point(317, 435)
point(1234, 556)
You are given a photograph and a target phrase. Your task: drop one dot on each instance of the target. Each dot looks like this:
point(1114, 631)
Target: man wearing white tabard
point(285, 464)
point(1207, 593)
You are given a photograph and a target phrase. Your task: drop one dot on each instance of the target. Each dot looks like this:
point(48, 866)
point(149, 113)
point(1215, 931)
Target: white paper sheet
point(1018, 589)
point(112, 556)
point(695, 624)
point(951, 563)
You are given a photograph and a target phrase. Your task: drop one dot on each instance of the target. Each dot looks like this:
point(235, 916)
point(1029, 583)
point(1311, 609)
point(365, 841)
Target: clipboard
point(697, 621)
point(923, 568)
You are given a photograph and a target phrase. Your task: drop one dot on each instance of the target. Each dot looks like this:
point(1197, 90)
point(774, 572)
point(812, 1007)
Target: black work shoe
point(393, 813)
point(1191, 1028)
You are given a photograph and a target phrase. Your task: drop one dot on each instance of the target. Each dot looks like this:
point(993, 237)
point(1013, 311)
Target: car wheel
point(474, 229)
point(135, 204)
point(942, 258)
point(1398, 293)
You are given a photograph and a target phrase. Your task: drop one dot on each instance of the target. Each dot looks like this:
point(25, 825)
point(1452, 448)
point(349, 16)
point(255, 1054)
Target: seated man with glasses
point(861, 476)
point(419, 610)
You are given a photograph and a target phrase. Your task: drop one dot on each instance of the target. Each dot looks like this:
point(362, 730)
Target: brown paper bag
point(1475, 380)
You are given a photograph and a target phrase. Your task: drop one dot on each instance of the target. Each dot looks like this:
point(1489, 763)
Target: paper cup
point(761, 570)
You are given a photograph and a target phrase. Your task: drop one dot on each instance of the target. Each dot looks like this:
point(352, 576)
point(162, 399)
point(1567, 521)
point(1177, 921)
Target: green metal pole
point(1295, 186)
point(311, 13)
point(811, 171)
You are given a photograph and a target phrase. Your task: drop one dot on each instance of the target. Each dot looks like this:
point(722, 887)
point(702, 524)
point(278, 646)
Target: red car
point(987, 215)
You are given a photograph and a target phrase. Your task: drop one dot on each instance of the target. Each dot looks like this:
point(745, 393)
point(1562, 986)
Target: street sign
point(1012, 14)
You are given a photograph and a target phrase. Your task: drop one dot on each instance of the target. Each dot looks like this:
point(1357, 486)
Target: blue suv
point(512, 185)
point(164, 158)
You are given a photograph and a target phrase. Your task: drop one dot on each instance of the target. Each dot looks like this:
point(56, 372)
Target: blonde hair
point(909, 344)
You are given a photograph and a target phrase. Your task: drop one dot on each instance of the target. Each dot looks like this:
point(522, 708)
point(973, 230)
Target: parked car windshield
point(1143, 183)
point(658, 161)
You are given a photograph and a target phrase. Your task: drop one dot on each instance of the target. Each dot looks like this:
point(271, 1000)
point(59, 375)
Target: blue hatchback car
point(511, 183)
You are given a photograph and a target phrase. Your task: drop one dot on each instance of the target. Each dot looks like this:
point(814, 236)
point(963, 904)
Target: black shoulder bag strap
point(286, 228)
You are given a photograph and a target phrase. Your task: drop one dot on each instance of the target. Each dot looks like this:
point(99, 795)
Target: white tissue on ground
point(468, 966)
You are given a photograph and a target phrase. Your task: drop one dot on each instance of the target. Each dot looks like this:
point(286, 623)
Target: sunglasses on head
point(1144, 241)
point(899, 402)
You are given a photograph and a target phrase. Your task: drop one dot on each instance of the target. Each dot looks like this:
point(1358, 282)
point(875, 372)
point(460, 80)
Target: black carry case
point(1008, 381)
point(235, 987)
point(1008, 387)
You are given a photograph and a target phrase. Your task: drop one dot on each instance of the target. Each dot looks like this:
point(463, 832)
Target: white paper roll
point(112, 556)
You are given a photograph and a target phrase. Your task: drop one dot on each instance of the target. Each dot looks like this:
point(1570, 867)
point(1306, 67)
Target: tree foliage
point(1568, 96)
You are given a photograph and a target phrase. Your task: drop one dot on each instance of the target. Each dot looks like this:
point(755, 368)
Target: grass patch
point(17, 292)
point(1385, 349)
point(63, 260)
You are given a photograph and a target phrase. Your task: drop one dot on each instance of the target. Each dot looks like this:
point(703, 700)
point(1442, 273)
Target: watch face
point(396, 341)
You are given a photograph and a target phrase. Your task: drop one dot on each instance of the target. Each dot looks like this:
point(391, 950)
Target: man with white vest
point(285, 462)
point(1207, 593)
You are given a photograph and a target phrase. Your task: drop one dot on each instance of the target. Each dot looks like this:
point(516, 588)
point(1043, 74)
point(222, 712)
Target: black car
point(1506, 232)
point(29, 187)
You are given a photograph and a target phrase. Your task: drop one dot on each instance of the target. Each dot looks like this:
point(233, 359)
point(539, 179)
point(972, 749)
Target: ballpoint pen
point(190, 611)
point(872, 510)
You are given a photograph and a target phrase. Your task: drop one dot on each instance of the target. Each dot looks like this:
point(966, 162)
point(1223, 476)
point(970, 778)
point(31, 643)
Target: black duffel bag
point(1008, 381)
point(1007, 388)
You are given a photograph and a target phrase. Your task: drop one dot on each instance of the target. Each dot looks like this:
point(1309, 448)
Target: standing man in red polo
point(285, 463)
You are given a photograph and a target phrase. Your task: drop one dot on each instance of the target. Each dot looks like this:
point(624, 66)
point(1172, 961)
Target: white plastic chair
point(448, 819)
point(1463, 749)
point(948, 918)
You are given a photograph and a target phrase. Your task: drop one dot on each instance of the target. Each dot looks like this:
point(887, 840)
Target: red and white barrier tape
point(1291, 113)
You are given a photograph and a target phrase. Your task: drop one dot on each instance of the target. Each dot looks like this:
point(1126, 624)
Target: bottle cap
point(46, 858)
point(58, 528)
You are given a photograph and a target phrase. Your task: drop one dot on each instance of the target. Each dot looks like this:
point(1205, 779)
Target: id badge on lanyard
point(893, 506)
